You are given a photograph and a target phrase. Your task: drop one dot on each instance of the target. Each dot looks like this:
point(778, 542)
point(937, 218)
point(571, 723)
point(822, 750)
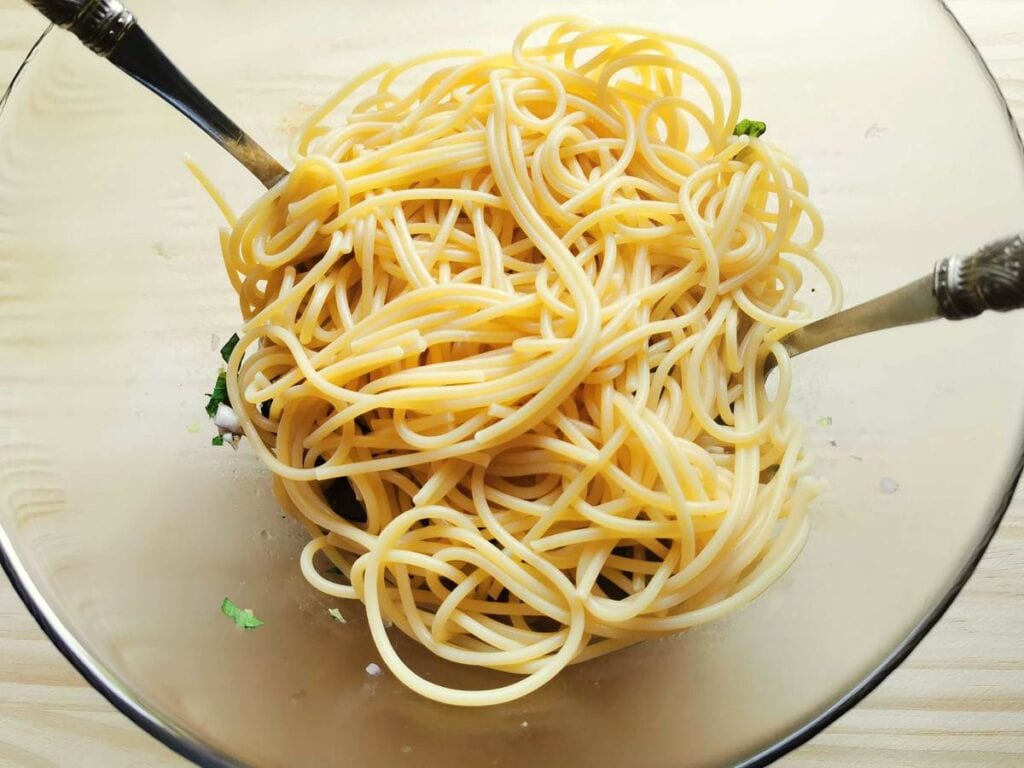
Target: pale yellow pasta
point(524, 308)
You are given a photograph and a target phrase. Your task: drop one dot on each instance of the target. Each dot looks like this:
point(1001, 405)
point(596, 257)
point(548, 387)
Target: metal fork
point(959, 287)
point(110, 30)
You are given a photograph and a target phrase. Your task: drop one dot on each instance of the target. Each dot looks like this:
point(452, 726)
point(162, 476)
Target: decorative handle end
point(990, 278)
point(99, 24)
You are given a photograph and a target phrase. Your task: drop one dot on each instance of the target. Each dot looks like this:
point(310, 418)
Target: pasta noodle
point(523, 307)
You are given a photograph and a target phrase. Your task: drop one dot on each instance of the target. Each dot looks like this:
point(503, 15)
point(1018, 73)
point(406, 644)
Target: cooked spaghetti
point(523, 306)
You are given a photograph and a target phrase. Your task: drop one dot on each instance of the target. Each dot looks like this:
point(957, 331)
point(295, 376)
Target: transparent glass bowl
point(123, 529)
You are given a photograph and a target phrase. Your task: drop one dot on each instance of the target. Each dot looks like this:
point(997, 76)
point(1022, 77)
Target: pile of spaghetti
point(522, 307)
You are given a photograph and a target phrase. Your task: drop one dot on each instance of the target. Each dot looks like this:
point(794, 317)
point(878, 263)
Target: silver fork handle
point(110, 30)
point(960, 287)
point(990, 278)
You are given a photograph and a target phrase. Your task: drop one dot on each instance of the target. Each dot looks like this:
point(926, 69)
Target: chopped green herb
point(825, 421)
point(752, 128)
point(243, 617)
point(218, 440)
point(219, 394)
point(227, 349)
point(193, 427)
point(336, 615)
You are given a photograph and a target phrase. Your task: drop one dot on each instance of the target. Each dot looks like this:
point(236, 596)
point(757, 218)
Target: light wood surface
point(958, 700)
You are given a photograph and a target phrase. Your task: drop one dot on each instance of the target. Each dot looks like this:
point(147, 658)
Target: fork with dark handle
point(110, 30)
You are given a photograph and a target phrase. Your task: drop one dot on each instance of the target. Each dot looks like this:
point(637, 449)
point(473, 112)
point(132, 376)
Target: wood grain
point(958, 700)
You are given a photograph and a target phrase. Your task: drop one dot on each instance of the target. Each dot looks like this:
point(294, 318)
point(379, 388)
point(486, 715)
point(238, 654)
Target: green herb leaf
point(218, 440)
point(243, 617)
point(752, 128)
point(336, 615)
point(219, 395)
point(227, 349)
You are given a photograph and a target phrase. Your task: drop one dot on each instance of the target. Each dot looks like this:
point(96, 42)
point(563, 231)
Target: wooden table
point(958, 701)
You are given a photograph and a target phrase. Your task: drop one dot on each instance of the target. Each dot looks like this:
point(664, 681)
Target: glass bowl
point(123, 529)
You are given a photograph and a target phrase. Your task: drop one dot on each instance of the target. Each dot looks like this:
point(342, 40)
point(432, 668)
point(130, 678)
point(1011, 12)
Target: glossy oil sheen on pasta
point(522, 303)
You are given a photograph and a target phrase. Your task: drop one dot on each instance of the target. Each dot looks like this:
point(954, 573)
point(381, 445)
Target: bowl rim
point(207, 756)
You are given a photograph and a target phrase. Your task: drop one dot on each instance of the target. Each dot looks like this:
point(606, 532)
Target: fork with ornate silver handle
point(109, 30)
point(960, 287)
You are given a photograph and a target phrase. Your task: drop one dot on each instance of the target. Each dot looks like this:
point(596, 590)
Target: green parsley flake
point(243, 617)
point(218, 440)
point(219, 394)
point(336, 615)
point(751, 128)
point(227, 349)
